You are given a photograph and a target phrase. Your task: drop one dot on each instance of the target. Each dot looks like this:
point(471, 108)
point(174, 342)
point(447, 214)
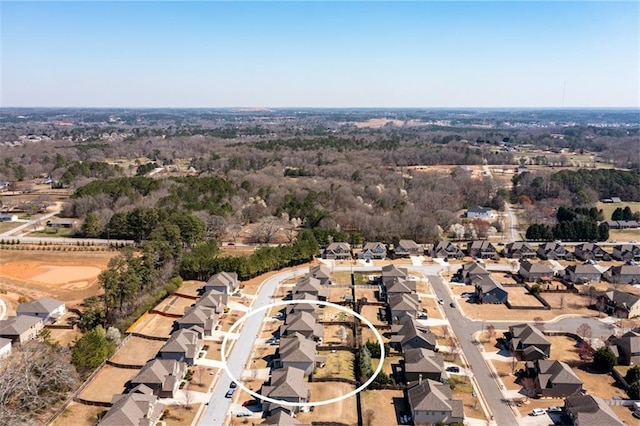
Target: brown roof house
point(628, 346)
point(20, 329)
point(626, 252)
point(482, 249)
point(581, 274)
point(311, 308)
point(407, 248)
point(422, 363)
point(534, 271)
point(470, 271)
point(337, 251)
point(590, 251)
point(519, 250)
point(627, 274)
point(322, 273)
point(553, 251)
point(49, 310)
point(554, 379)
point(404, 305)
point(527, 342)
point(205, 318)
point(410, 335)
point(183, 345)
point(373, 250)
point(391, 272)
point(287, 384)
point(446, 249)
point(299, 352)
point(590, 410)
point(312, 285)
point(399, 285)
point(140, 407)
point(163, 376)
point(489, 290)
point(303, 323)
point(431, 404)
point(621, 304)
point(224, 282)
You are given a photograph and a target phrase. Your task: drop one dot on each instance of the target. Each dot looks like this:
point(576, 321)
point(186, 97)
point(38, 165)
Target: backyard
point(338, 364)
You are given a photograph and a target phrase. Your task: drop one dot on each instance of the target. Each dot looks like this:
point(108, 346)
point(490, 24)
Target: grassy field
point(62, 232)
point(6, 226)
point(339, 364)
point(608, 208)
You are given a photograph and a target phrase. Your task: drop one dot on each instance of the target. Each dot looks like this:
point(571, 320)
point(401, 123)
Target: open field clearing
point(519, 296)
point(60, 275)
point(153, 325)
point(343, 411)
point(109, 381)
point(137, 351)
point(79, 415)
point(386, 405)
point(609, 208)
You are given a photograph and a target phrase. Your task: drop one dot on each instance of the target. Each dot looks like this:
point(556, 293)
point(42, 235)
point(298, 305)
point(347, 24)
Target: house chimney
point(419, 378)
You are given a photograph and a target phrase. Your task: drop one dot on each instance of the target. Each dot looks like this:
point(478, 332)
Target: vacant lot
point(519, 296)
point(621, 235)
point(609, 208)
point(109, 381)
point(341, 277)
point(338, 364)
point(382, 407)
point(137, 351)
point(343, 411)
point(79, 415)
point(70, 277)
point(191, 288)
point(174, 305)
point(154, 325)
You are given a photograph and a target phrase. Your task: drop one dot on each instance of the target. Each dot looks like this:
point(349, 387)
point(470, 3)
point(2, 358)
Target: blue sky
point(320, 54)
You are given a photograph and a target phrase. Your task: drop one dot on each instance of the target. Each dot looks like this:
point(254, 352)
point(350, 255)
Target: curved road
point(463, 327)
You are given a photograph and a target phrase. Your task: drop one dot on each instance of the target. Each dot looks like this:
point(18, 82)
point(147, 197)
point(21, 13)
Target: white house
point(479, 212)
point(50, 310)
point(7, 217)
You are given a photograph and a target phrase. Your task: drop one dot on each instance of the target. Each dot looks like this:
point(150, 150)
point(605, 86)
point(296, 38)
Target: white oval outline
point(302, 404)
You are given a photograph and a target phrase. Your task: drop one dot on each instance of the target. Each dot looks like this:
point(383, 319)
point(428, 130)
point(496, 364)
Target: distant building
point(8, 217)
point(407, 248)
point(373, 251)
point(63, 223)
point(479, 212)
point(337, 251)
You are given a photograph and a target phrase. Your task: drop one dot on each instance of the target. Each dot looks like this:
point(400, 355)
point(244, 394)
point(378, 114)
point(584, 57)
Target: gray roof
point(473, 268)
point(479, 209)
point(410, 328)
point(434, 396)
point(16, 326)
point(46, 305)
point(556, 373)
point(404, 302)
point(583, 269)
point(281, 418)
point(319, 271)
point(133, 409)
point(302, 322)
point(407, 245)
point(528, 335)
point(4, 342)
point(418, 360)
point(536, 268)
point(287, 383)
point(590, 410)
point(185, 341)
point(311, 285)
point(622, 298)
point(297, 348)
point(163, 372)
point(487, 284)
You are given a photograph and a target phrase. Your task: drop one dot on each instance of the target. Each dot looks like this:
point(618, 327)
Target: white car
point(538, 412)
point(554, 409)
point(440, 301)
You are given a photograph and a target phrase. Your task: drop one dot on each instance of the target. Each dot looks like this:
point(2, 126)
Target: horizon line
point(258, 108)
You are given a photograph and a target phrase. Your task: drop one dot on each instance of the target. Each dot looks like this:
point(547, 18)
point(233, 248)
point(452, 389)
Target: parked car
point(243, 414)
point(233, 385)
point(229, 393)
point(554, 409)
point(440, 301)
point(538, 412)
point(453, 369)
point(250, 403)
point(423, 315)
point(453, 305)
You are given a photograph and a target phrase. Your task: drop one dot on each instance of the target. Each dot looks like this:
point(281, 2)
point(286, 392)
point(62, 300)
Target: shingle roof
point(528, 335)
point(434, 396)
point(163, 372)
point(15, 326)
point(287, 383)
point(536, 268)
point(556, 372)
point(133, 409)
point(297, 348)
point(590, 410)
point(418, 360)
point(45, 305)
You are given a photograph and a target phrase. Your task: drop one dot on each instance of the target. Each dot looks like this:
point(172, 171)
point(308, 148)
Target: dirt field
point(110, 380)
point(154, 325)
point(501, 312)
point(65, 337)
point(79, 415)
point(343, 411)
point(624, 234)
point(370, 312)
point(386, 405)
point(191, 288)
point(608, 208)
point(137, 351)
point(368, 335)
point(64, 276)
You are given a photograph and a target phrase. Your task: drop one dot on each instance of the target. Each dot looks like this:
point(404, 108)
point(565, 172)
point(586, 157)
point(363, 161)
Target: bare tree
point(188, 399)
point(455, 348)
point(584, 331)
point(529, 386)
point(491, 331)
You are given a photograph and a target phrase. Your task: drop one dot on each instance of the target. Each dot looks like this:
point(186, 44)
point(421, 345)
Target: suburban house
point(446, 249)
point(391, 272)
point(49, 310)
point(224, 282)
point(420, 363)
point(312, 285)
point(554, 379)
point(626, 252)
point(404, 305)
point(213, 299)
point(410, 335)
point(5, 347)
point(490, 291)
point(163, 376)
point(482, 249)
point(581, 274)
point(337, 251)
point(431, 404)
point(479, 212)
point(619, 304)
point(519, 250)
point(183, 345)
point(530, 271)
point(311, 308)
point(303, 323)
point(622, 224)
point(287, 384)
point(298, 352)
point(626, 347)
point(59, 223)
point(281, 418)
point(407, 248)
point(400, 285)
point(590, 251)
point(321, 273)
point(527, 342)
point(623, 274)
point(140, 407)
point(590, 410)
point(205, 318)
point(7, 217)
point(471, 271)
point(20, 329)
point(553, 251)
point(373, 251)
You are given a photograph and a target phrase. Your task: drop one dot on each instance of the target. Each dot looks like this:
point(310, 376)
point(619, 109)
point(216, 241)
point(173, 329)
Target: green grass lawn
point(608, 208)
point(52, 232)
